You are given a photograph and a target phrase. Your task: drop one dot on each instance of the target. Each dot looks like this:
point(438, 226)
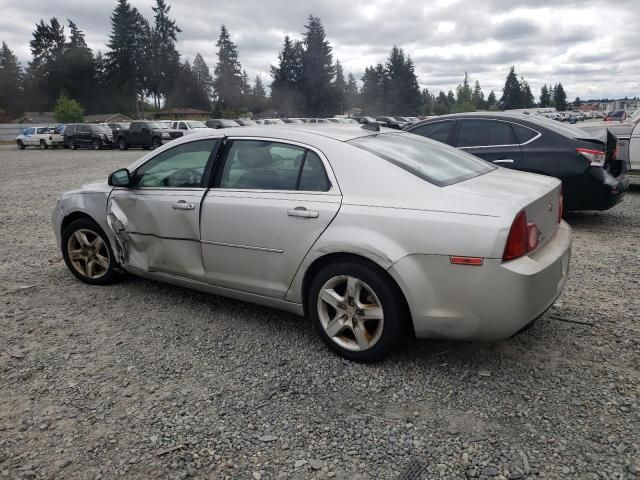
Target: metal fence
point(9, 131)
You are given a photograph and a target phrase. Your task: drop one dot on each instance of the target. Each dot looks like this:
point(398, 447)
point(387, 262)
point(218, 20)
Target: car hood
point(94, 187)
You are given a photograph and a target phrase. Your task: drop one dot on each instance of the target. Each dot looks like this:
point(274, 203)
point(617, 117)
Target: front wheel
point(87, 253)
point(122, 144)
point(156, 143)
point(20, 145)
point(73, 145)
point(97, 144)
point(43, 145)
point(356, 310)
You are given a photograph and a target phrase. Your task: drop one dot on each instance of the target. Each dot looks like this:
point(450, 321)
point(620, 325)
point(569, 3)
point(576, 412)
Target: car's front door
point(28, 136)
point(157, 219)
point(491, 140)
point(270, 202)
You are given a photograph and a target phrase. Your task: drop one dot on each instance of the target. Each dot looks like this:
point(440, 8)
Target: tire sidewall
point(85, 223)
point(20, 145)
point(43, 145)
point(122, 144)
point(392, 305)
point(97, 144)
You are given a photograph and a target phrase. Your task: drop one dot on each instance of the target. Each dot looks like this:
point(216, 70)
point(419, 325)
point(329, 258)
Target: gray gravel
point(145, 380)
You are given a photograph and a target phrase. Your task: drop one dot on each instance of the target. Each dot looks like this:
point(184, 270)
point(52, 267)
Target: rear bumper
point(490, 302)
point(596, 189)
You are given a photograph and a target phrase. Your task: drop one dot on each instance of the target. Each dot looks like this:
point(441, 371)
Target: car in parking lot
point(431, 240)
point(88, 135)
point(187, 127)
point(221, 123)
point(245, 122)
point(616, 116)
point(41, 137)
point(593, 178)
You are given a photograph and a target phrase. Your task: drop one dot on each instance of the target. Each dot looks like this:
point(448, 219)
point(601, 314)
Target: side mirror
point(120, 178)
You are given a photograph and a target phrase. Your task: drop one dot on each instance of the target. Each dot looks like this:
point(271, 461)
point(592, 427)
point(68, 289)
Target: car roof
point(339, 132)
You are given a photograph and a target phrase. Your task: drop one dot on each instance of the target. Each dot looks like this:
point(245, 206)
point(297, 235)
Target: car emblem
point(550, 207)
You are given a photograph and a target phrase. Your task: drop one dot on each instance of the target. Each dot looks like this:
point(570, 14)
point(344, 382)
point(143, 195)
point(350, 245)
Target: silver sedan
point(372, 234)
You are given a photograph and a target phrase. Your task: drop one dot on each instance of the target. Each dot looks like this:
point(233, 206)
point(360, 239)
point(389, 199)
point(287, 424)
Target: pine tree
point(227, 83)
point(526, 97)
point(577, 102)
point(373, 90)
point(491, 100)
point(203, 83)
point(164, 57)
point(559, 98)
point(259, 99)
point(11, 93)
point(77, 72)
point(317, 70)
point(340, 87)
point(428, 102)
point(511, 94)
point(43, 79)
point(286, 95)
point(127, 58)
point(401, 90)
point(463, 92)
point(545, 96)
point(451, 99)
point(351, 97)
point(477, 97)
point(442, 105)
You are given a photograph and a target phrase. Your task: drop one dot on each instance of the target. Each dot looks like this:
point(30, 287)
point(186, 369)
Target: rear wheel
point(356, 310)
point(122, 144)
point(155, 143)
point(87, 253)
point(97, 144)
point(20, 145)
point(43, 145)
point(73, 145)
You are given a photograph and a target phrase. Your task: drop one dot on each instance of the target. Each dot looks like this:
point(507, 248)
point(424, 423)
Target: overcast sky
point(591, 46)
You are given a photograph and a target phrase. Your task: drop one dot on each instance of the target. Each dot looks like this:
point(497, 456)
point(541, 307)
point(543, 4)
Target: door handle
point(503, 160)
point(183, 205)
point(302, 212)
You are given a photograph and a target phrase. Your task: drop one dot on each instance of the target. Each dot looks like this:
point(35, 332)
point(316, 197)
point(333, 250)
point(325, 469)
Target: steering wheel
point(188, 177)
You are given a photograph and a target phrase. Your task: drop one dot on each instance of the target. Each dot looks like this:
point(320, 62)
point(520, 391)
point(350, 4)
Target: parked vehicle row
point(41, 137)
point(430, 241)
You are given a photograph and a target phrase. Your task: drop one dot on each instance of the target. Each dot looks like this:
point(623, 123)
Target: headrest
point(254, 154)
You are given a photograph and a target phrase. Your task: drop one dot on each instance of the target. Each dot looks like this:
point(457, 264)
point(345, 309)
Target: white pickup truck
point(43, 137)
point(188, 126)
point(628, 133)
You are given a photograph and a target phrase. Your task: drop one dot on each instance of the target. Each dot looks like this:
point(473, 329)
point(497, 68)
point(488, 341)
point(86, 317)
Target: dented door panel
point(157, 230)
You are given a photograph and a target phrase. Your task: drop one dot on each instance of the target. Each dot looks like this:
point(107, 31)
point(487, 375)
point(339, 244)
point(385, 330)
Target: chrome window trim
point(333, 190)
point(505, 145)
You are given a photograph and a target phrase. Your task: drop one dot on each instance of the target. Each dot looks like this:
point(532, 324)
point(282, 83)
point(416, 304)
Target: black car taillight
point(596, 158)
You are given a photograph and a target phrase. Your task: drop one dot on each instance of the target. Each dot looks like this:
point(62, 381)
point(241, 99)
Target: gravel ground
point(146, 380)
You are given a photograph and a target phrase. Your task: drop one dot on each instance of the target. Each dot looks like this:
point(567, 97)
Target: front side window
point(29, 131)
point(263, 165)
point(180, 167)
point(432, 161)
point(183, 126)
point(438, 131)
point(484, 133)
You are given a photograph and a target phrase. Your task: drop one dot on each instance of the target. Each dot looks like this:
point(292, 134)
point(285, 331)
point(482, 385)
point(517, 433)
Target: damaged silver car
point(371, 233)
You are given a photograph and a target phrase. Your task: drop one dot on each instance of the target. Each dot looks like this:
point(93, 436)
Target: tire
point(122, 144)
point(156, 143)
point(20, 145)
point(79, 240)
point(43, 145)
point(97, 144)
point(73, 145)
point(378, 295)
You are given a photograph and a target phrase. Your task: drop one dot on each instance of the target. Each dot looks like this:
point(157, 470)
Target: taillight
point(523, 238)
point(595, 157)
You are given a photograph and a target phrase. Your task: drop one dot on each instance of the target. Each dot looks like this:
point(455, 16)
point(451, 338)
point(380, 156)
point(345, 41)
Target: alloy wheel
point(350, 313)
point(88, 253)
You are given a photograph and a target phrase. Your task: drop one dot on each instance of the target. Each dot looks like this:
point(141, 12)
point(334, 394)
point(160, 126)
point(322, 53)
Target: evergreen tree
point(428, 102)
point(164, 57)
point(491, 101)
point(442, 105)
point(477, 97)
point(351, 97)
point(286, 95)
point(317, 70)
point(559, 98)
point(373, 90)
point(127, 58)
point(400, 84)
point(463, 92)
point(245, 87)
point(511, 94)
point(43, 79)
point(11, 93)
point(203, 88)
point(527, 100)
point(227, 82)
point(577, 102)
point(259, 100)
point(451, 99)
point(77, 71)
point(340, 87)
point(545, 96)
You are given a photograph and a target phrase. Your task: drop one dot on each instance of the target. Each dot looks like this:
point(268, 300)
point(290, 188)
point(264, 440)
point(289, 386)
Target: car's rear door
point(157, 220)
point(270, 201)
point(490, 139)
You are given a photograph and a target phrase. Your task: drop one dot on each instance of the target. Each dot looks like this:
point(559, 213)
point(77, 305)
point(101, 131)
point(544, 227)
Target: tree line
point(143, 71)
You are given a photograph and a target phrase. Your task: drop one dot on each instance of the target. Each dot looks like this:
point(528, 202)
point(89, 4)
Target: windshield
point(100, 129)
point(196, 125)
point(246, 122)
point(429, 160)
point(155, 126)
point(228, 123)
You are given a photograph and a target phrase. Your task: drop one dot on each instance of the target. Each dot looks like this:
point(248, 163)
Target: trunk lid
point(537, 195)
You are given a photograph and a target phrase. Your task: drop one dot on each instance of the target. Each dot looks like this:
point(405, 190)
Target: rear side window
point(484, 133)
point(438, 131)
point(523, 133)
point(313, 177)
point(432, 161)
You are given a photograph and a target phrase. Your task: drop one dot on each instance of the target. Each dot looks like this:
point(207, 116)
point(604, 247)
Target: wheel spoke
point(335, 326)
point(76, 255)
point(98, 243)
point(353, 288)
point(102, 261)
point(332, 297)
point(361, 336)
point(82, 239)
point(371, 312)
point(90, 268)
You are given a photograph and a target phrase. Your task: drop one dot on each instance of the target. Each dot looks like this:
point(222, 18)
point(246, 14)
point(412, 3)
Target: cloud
point(547, 41)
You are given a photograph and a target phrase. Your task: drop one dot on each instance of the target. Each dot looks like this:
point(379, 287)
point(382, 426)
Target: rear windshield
point(429, 160)
point(564, 129)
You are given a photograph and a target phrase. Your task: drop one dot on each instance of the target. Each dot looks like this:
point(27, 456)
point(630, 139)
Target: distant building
point(37, 118)
point(608, 106)
point(181, 114)
point(107, 118)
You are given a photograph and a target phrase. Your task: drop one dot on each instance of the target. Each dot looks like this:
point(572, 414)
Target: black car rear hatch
point(608, 141)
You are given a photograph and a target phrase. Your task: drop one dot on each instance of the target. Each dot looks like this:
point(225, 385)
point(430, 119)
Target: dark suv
point(593, 178)
point(88, 135)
